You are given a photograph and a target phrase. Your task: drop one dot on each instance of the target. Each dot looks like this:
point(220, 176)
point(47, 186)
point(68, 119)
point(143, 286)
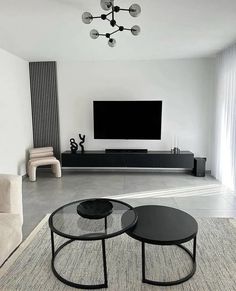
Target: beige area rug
point(29, 268)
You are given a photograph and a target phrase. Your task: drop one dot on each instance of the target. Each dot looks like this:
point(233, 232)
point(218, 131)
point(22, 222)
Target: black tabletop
point(162, 225)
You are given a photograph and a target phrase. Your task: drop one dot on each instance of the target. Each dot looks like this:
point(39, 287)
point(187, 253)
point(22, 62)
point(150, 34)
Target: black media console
point(150, 159)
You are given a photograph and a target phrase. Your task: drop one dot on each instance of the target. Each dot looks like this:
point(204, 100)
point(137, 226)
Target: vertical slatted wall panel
point(44, 100)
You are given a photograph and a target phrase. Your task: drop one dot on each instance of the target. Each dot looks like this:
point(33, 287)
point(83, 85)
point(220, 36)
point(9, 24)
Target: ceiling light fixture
point(134, 10)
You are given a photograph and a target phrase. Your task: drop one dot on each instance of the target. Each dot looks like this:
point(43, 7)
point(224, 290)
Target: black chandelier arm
point(108, 13)
point(114, 31)
point(103, 15)
point(115, 24)
point(112, 11)
point(110, 20)
point(94, 17)
point(105, 34)
point(122, 9)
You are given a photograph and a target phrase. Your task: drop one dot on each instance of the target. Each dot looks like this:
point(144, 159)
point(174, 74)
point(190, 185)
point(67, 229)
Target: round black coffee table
point(72, 222)
point(161, 225)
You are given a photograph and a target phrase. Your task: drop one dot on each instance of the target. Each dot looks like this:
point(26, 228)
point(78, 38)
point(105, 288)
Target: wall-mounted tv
point(127, 119)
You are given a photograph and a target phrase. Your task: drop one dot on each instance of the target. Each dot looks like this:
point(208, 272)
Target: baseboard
point(121, 170)
point(144, 170)
point(129, 170)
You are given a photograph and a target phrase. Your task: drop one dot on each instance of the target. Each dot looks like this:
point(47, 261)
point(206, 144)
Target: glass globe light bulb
point(134, 10)
point(112, 42)
point(135, 30)
point(87, 17)
point(94, 34)
point(106, 4)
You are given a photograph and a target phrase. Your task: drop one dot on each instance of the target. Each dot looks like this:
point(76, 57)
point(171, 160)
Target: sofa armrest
point(11, 194)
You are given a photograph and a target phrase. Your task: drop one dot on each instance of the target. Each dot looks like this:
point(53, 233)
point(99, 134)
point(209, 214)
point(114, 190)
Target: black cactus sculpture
point(82, 137)
point(73, 146)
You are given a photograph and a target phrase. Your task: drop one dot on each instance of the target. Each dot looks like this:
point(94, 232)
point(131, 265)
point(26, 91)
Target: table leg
point(194, 248)
point(176, 282)
point(52, 244)
point(104, 262)
point(143, 262)
point(73, 284)
point(105, 224)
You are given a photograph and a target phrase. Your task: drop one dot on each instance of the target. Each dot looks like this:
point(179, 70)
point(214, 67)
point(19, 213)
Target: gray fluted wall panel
point(44, 101)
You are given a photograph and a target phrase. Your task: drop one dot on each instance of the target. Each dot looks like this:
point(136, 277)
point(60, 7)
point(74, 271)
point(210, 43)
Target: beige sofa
point(11, 215)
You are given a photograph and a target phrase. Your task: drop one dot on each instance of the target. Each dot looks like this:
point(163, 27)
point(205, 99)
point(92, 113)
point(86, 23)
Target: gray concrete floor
point(201, 197)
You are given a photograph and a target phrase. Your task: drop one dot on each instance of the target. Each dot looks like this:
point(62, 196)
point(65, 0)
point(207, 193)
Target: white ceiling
point(53, 30)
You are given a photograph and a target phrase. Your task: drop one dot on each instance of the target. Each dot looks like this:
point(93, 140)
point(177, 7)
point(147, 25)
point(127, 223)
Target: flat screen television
point(127, 119)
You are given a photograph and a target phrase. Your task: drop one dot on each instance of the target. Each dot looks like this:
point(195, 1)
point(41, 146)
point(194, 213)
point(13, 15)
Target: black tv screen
point(127, 119)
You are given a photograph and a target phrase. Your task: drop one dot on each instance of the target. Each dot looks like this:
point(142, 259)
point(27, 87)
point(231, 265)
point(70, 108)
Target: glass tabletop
point(67, 222)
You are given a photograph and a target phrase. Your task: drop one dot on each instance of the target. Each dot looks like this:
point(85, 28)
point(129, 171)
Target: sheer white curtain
point(224, 159)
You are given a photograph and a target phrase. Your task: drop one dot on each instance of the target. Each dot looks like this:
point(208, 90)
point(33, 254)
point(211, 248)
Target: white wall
point(15, 113)
point(185, 86)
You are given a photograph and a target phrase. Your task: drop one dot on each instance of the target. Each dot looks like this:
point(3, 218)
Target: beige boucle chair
point(42, 157)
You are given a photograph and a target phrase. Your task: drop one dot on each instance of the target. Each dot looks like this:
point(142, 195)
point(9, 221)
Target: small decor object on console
point(95, 208)
point(134, 10)
point(73, 146)
point(82, 137)
point(175, 150)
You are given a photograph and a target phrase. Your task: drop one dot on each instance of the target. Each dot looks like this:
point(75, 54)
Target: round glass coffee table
point(81, 221)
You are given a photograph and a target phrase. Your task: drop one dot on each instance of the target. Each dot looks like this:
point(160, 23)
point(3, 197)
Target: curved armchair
point(42, 157)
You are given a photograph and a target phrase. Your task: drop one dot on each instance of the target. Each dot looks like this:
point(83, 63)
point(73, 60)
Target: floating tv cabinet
point(150, 159)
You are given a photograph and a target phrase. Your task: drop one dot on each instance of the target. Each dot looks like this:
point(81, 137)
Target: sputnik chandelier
point(134, 10)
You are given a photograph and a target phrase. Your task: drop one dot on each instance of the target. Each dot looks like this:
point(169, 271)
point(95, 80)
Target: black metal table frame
point(72, 284)
point(71, 239)
point(176, 282)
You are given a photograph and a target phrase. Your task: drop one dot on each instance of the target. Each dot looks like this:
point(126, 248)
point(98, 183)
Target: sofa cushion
point(10, 234)
point(11, 194)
